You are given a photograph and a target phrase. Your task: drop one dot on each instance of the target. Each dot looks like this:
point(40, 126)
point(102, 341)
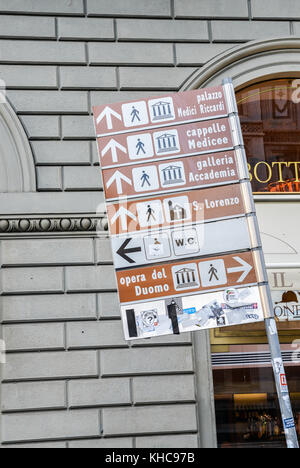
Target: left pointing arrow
point(117, 178)
point(123, 251)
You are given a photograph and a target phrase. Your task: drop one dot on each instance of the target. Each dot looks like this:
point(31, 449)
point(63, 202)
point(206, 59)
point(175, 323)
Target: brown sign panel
point(173, 142)
point(186, 278)
point(191, 106)
point(171, 175)
point(176, 210)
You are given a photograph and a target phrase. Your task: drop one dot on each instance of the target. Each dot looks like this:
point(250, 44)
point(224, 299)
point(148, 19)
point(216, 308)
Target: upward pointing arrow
point(113, 146)
point(244, 267)
point(108, 113)
point(123, 214)
point(117, 178)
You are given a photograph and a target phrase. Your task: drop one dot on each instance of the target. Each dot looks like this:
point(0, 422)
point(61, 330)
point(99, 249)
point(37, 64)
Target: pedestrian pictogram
point(140, 146)
point(213, 273)
point(135, 115)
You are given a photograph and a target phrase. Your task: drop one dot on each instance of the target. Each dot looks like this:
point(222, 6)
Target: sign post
point(185, 238)
point(274, 345)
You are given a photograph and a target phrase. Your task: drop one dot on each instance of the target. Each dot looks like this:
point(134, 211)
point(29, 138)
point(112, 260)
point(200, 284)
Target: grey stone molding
point(53, 225)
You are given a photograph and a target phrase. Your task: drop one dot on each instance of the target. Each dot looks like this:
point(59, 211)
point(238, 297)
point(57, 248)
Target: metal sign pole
point(270, 323)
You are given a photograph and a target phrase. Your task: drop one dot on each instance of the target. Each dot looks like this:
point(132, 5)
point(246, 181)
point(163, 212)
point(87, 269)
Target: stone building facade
point(70, 379)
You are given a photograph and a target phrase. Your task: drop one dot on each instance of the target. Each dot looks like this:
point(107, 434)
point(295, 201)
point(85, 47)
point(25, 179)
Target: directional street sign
point(184, 242)
point(185, 209)
point(176, 142)
point(172, 175)
point(186, 278)
point(185, 238)
point(162, 111)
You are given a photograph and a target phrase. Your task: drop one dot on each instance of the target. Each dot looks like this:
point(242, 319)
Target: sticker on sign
point(233, 306)
point(162, 111)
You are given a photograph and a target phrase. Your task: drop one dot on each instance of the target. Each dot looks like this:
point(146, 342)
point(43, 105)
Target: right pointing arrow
point(244, 267)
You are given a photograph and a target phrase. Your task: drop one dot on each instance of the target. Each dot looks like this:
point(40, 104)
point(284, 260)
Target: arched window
point(270, 118)
point(17, 170)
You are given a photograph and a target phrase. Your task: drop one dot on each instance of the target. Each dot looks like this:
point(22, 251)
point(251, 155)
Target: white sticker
point(150, 213)
point(145, 178)
point(162, 110)
point(166, 142)
point(172, 175)
point(185, 277)
point(213, 273)
point(135, 114)
point(140, 147)
point(177, 209)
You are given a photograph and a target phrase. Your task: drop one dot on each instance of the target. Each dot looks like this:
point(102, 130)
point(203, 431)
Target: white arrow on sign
point(117, 178)
point(123, 214)
point(245, 268)
point(113, 146)
point(108, 113)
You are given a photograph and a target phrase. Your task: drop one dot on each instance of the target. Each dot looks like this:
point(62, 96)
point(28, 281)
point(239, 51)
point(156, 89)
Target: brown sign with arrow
point(160, 111)
point(176, 210)
point(186, 278)
point(169, 175)
point(173, 142)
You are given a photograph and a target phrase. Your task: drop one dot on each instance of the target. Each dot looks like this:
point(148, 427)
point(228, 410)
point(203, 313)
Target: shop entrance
point(247, 409)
